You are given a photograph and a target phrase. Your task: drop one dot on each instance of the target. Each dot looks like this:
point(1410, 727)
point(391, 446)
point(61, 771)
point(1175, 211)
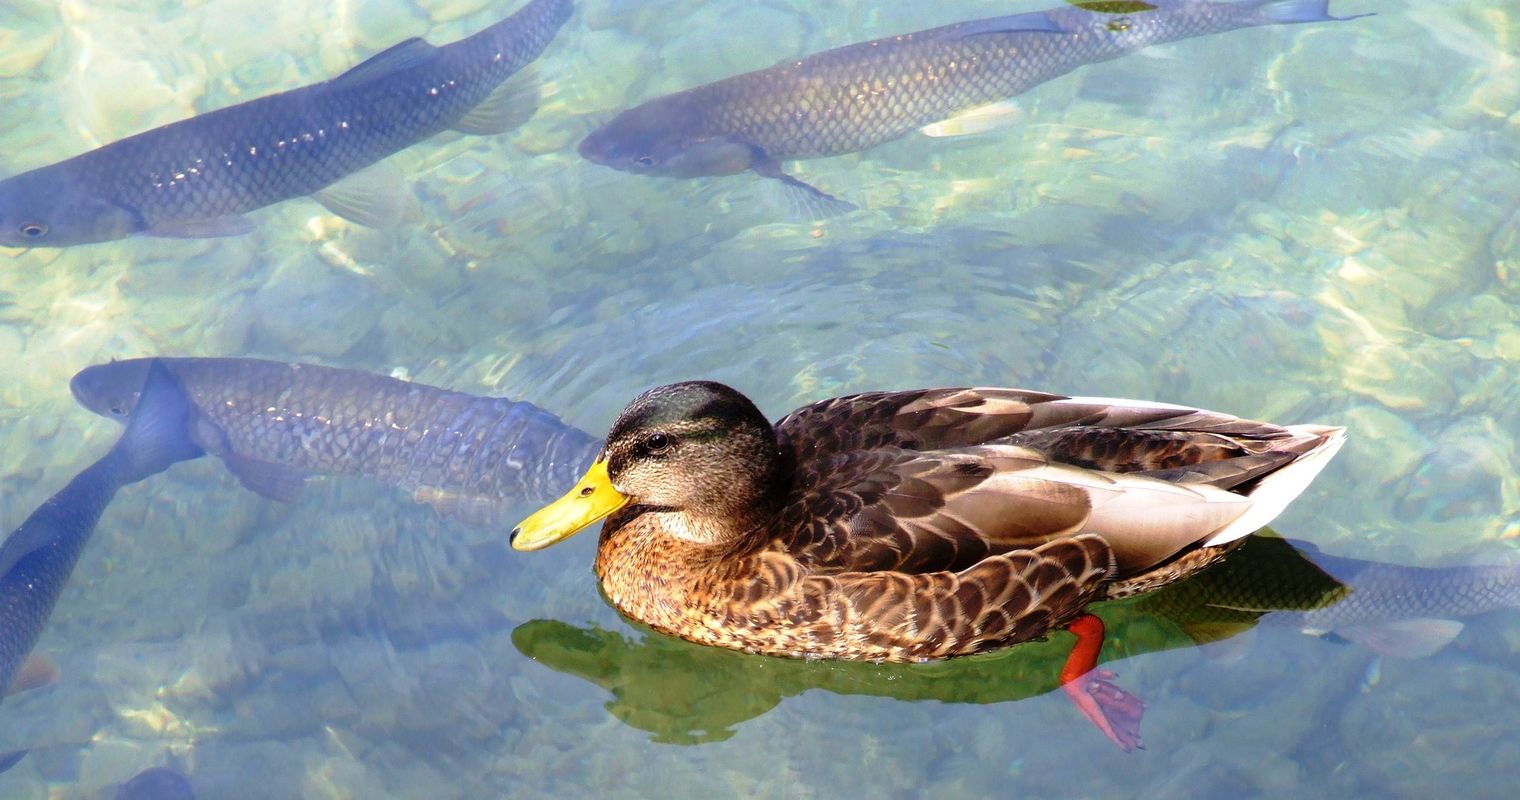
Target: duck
point(914, 525)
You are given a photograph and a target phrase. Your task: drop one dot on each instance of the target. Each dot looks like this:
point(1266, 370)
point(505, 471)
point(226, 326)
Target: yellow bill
point(591, 499)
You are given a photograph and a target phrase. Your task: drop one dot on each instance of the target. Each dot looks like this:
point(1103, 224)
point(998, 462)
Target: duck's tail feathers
point(158, 432)
point(1275, 491)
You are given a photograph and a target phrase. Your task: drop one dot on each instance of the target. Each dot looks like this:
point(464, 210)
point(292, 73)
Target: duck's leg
point(1116, 712)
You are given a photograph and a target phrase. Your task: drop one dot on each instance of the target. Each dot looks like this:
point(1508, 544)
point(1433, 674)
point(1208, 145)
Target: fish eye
point(33, 230)
point(644, 161)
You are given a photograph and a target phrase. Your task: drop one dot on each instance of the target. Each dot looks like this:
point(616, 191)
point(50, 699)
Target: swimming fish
point(1389, 609)
point(197, 177)
point(36, 559)
point(274, 423)
point(856, 97)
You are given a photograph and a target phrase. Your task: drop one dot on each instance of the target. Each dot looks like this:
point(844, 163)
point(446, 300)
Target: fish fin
point(1031, 22)
point(803, 201)
point(34, 673)
point(266, 478)
point(1404, 638)
point(1231, 648)
point(1291, 11)
point(476, 511)
point(375, 197)
point(21, 542)
point(990, 117)
point(11, 759)
point(397, 57)
point(158, 433)
point(1209, 632)
point(231, 225)
point(508, 106)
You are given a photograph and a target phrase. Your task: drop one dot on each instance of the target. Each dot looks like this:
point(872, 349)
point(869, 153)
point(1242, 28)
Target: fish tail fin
point(11, 759)
point(158, 432)
point(1287, 12)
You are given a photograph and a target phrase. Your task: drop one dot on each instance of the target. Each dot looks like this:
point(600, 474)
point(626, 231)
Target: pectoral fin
point(475, 511)
point(508, 106)
point(1405, 638)
point(374, 196)
point(803, 201)
point(991, 117)
point(266, 478)
point(34, 673)
point(234, 225)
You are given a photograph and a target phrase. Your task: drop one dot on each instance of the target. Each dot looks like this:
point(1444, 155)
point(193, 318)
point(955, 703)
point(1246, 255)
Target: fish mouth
point(595, 147)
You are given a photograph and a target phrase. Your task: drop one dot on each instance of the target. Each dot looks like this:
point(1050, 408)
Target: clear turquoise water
point(1314, 223)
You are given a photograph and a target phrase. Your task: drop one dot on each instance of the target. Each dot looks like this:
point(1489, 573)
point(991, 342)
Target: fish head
point(45, 208)
point(113, 389)
point(665, 138)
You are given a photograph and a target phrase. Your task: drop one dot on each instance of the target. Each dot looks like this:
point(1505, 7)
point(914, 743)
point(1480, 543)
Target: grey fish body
point(194, 177)
point(1388, 608)
point(1385, 592)
point(856, 97)
point(274, 423)
point(37, 558)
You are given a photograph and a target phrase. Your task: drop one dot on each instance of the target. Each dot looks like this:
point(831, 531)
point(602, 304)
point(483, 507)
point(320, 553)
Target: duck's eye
point(118, 411)
point(657, 443)
point(644, 161)
point(33, 230)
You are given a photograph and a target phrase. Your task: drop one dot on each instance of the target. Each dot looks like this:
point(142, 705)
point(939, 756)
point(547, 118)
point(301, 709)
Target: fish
point(856, 97)
point(1392, 610)
point(37, 558)
point(274, 424)
point(198, 177)
point(156, 783)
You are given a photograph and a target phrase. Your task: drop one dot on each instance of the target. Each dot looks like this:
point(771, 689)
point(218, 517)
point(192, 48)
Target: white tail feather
point(1274, 492)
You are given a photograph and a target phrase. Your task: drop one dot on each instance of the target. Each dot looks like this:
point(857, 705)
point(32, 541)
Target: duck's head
point(698, 453)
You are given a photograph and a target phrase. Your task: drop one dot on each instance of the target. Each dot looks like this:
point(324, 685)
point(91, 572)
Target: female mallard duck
point(914, 525)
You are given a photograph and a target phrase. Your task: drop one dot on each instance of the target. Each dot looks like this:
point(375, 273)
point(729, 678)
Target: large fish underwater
point(37, 558)
point(687, 693)
point(856, 97)
point(199, 176)
point(274, 424)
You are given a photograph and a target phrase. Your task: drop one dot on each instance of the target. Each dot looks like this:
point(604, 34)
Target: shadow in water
point(689, 694)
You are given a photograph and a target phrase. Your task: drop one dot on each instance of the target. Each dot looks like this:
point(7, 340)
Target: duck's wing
point(900, 510)
point(922, 419)
point(931, 419)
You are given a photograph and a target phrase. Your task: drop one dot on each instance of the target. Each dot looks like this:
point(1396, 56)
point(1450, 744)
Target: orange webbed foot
point(1114, 711)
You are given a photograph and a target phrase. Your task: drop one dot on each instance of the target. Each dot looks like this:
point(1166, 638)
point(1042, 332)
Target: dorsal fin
point(389, 61)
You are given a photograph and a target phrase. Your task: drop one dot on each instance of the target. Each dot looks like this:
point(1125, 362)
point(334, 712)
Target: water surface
point(1305, 224)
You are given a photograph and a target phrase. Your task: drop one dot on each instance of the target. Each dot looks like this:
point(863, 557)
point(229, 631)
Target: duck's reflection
point(685, 693)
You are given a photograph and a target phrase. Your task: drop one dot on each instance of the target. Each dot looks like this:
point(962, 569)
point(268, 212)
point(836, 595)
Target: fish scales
point(232, 160)
point(855, 97)
point(1387, 591)
point(313, 419)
